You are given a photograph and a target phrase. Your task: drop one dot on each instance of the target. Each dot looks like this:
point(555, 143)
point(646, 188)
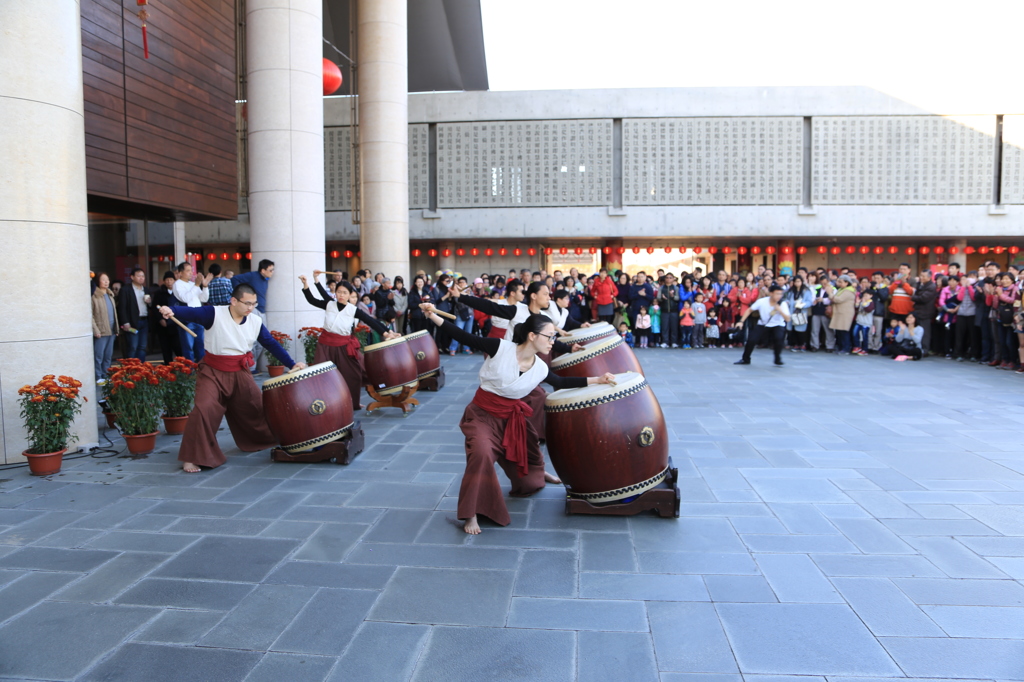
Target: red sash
point(516, 412)
point(496, 332)
point(230, 363)
point(350, 343)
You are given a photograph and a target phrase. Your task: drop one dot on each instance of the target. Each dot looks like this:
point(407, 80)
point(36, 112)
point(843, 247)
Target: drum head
point(570, 359)
point(384, 344)
point(626, 384)
point(416, 335)
point(586, 333)
point(299, 375)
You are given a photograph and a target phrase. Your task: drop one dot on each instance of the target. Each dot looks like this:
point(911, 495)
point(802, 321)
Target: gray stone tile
point(606, 552)
point(546, 573)
point(208, 526)
point(398, 525)
point(326, 624)
point(957, 658)
point(330, 574)
point(276, 667)
point(696, 562)
point(1011, 566)
point(578, 614)
point(52, 559)
point(550, 514)
point(871, 537)
point(29, 590)
point(331, 543)
point(954, 559)
point(859, 565)
point(991, 546)
point(114, 514)
point(803, 639)
point(795, 578)
point(451, 597)
point(189, 664)
point(983, 622)
point(699, 677)
point(907, 527)
point(1005, 518)
point(882, 505)
point(962, 592)
point(399, 495)
point(164, 543)
point(179, 627)
point(885, 609)
point(688, 637)
point(802, 518)
point(228, 558)
point(685, 535)
point(382, 651)
point(333, 514)
point(642, 586)
point(800, 544)
point(291, 530)
point(430, 555)
point(112, 578)
point(443, 528)
point(272, 505)
point(192, 508)
point(185, 594)
point(515, 537)
point(503, 654)
point(739, 588)
point(247, 491)
point(613, 657)
point(80, 497)
point(260, 618)
point(30, 647)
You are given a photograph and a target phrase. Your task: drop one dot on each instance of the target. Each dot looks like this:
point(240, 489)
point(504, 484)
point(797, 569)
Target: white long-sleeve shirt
point(190, 294)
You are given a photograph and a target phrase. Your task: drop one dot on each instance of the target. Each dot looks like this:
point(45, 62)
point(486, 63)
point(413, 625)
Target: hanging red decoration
point(460, 251)
point(432, 253)
point(650, 249)
point(636, 249)
point(578, 251)
point(712, 250)
point(925, 250)
point(726, 249)
point(248, 255)
point(348, 254)
point(982, 250)
point(801, 250)
point(224, 256)
point(564, 250)
point(851, 249)
point(143, 16)
point(682, 249)
point(879, 250)
point(238, 256)
point(620, 250)
point(835, 250)
point(547, 251)
point(894, 250)
point(770, 250)
point(531, 252)
point(910, 251)
point(199, 256)
point(696, 249)
point(1014, 250)
point(607, 250)
point(446, 253)
point(213, 256)
point(502, 251)
point(742, 251)
point(953, 250)
point(359, 254)
point(668, 249)
point(787, 250)
point(517, 252)
point(865, 250)
point(488, 252)
point(939, 250)
point(593, 250)
point(755, 250)
point(474, 251)
point(332, 77)
point(823, 249)
point(999, 249)
point(334, 254)
point(967, 249)
point(416, 253)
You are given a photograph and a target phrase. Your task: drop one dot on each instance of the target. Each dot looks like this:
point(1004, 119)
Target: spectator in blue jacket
point(258, 280)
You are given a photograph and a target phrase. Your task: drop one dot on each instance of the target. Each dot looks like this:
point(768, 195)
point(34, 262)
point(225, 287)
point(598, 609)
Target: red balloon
point(332, 77)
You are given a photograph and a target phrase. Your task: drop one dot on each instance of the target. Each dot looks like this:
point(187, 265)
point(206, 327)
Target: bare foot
point(189, 468)
point(471, 526)
point(551, 478)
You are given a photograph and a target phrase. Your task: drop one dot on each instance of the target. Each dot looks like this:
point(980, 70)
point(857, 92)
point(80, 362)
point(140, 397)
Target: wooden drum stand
point(403, 400)
point(341, 451)
point(433, 383)
point(662, 499)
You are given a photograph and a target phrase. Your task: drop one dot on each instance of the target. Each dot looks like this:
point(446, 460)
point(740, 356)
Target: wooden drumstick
point(182, 325)
point(441, 314)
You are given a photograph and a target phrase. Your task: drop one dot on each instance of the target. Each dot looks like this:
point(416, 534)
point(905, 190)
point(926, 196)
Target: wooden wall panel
point(161, 132)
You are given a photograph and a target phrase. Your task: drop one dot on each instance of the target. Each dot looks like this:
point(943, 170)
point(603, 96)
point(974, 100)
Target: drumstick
point(182, 325)
point(448, 315)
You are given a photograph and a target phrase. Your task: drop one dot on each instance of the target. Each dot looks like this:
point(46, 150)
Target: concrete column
point(179, 241)
point(447, 262)
point(286, 151)
point(959, 257)
point(383, 135)
point(43, 214)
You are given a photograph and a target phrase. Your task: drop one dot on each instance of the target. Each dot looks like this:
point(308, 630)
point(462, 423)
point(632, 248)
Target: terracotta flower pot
point(111, 418)
point(275, 370)
point(46, 464)
point(141, 445)
point(175, 426)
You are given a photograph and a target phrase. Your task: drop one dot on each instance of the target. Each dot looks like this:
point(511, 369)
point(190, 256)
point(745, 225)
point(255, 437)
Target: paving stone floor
point(843, 519)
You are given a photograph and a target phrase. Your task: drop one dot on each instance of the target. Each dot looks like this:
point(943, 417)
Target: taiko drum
point(585, 336)
point(308, 408)
point(607, 442)
point(608, 355)
point(424, 351)
point(390, 365)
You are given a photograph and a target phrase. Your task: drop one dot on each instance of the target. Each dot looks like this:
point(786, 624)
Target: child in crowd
point(655, 313)
point(686, 325)
point(726, 321)
point(642, 326)
point(625, 334)
point(864, 307)
point(700, 319)
point(712, 329)
point(367, 305)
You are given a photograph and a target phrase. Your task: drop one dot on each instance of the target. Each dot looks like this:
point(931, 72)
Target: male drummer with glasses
point(224, 386)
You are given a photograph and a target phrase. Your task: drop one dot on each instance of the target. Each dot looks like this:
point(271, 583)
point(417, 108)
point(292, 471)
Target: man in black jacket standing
point(167, 331)
point(133, 303)
point(924, 307)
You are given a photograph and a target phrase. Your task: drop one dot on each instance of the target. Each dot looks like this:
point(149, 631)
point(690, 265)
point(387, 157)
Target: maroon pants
point(219, 394)
point(481, 493)
point(535, 399)
point(351, 368)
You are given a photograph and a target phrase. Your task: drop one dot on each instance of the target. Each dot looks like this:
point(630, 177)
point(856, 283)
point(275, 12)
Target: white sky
point(937, 54)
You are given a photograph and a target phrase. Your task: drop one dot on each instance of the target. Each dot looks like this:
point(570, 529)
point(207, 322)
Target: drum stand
point(434, 382)
point(663, 499)
point(402, 400)
point(341, 451)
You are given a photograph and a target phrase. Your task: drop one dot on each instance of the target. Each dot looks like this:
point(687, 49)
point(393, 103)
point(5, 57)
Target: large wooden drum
point(390, 365)
point(599, 331)
point(608, 355)
point(424, 351)
point(607, 442)
point(308, 408)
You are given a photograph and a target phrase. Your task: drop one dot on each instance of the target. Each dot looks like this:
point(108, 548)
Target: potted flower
point(364, 334)
point(48, 409)
point(310, 336)
point(178, 381)
point(108, 413)
point(136, 398)
point(274, 366)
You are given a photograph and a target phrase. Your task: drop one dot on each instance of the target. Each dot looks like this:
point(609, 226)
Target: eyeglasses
point(247, 304)
point(549, 337)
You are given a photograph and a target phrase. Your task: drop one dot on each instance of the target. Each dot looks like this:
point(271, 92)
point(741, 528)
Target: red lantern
point(460, 251)
point(446, 253)
point(999, 249)
point(953, 250)
point(531, 252)
point(432, 253)
point(474, 251)
point(636, 249)
point(755, 250)
point(199, 256)
point(334, 254)
point(910, 251)
point(359, 254)
point(742, 251)
point(547, 251)
point(787, 250)
point(939, 250)
point(564, 250)
point(696, 249)
point(650, 250)
point(801, 250)
point(416, 253)
point(982, 250)
point(770, 250)
point(348, 254)
point(248, 255)
point(502, 251)
point(822, 249)
point(213, 256)
point(925, 250)
point(517, 252)
point(620, 250)
point(968, 250)
point(238, 256)
point(835, 250)
point(726, 249)
point(682, 249)
point(579, 251)
point(332, 77)
point(865, 250)
point(593, 250)
point(879, 250)
point(668, 249)
point(851, 249)
point(712, 250)
point(894, 250)
point(607, 250)
point(1014, 250)
point(488, 252)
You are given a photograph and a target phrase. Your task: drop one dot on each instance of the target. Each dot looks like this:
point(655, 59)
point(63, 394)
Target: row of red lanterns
point(210, 256)
point(347, 253)
point(741, 250)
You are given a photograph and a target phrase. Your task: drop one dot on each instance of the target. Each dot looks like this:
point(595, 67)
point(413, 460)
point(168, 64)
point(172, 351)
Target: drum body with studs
point(390, 365)
point(308, 408)
point(607, 442)
point(424, 351)
point(599, 331)
point(610, 354)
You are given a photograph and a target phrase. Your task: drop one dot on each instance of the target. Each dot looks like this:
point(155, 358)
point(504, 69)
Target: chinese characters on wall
point(338, 169)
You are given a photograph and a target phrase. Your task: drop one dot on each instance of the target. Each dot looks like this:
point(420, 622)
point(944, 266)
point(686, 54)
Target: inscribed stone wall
point(712, 160)
point(902, 159)
point(338, 169)
point(524, 163)
point(1013, 160)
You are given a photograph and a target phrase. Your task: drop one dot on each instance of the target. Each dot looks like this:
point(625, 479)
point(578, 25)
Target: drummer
point(513, 295)
point(565, 322)
point(337, 344)
point(222, 388)
point(496, 423)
